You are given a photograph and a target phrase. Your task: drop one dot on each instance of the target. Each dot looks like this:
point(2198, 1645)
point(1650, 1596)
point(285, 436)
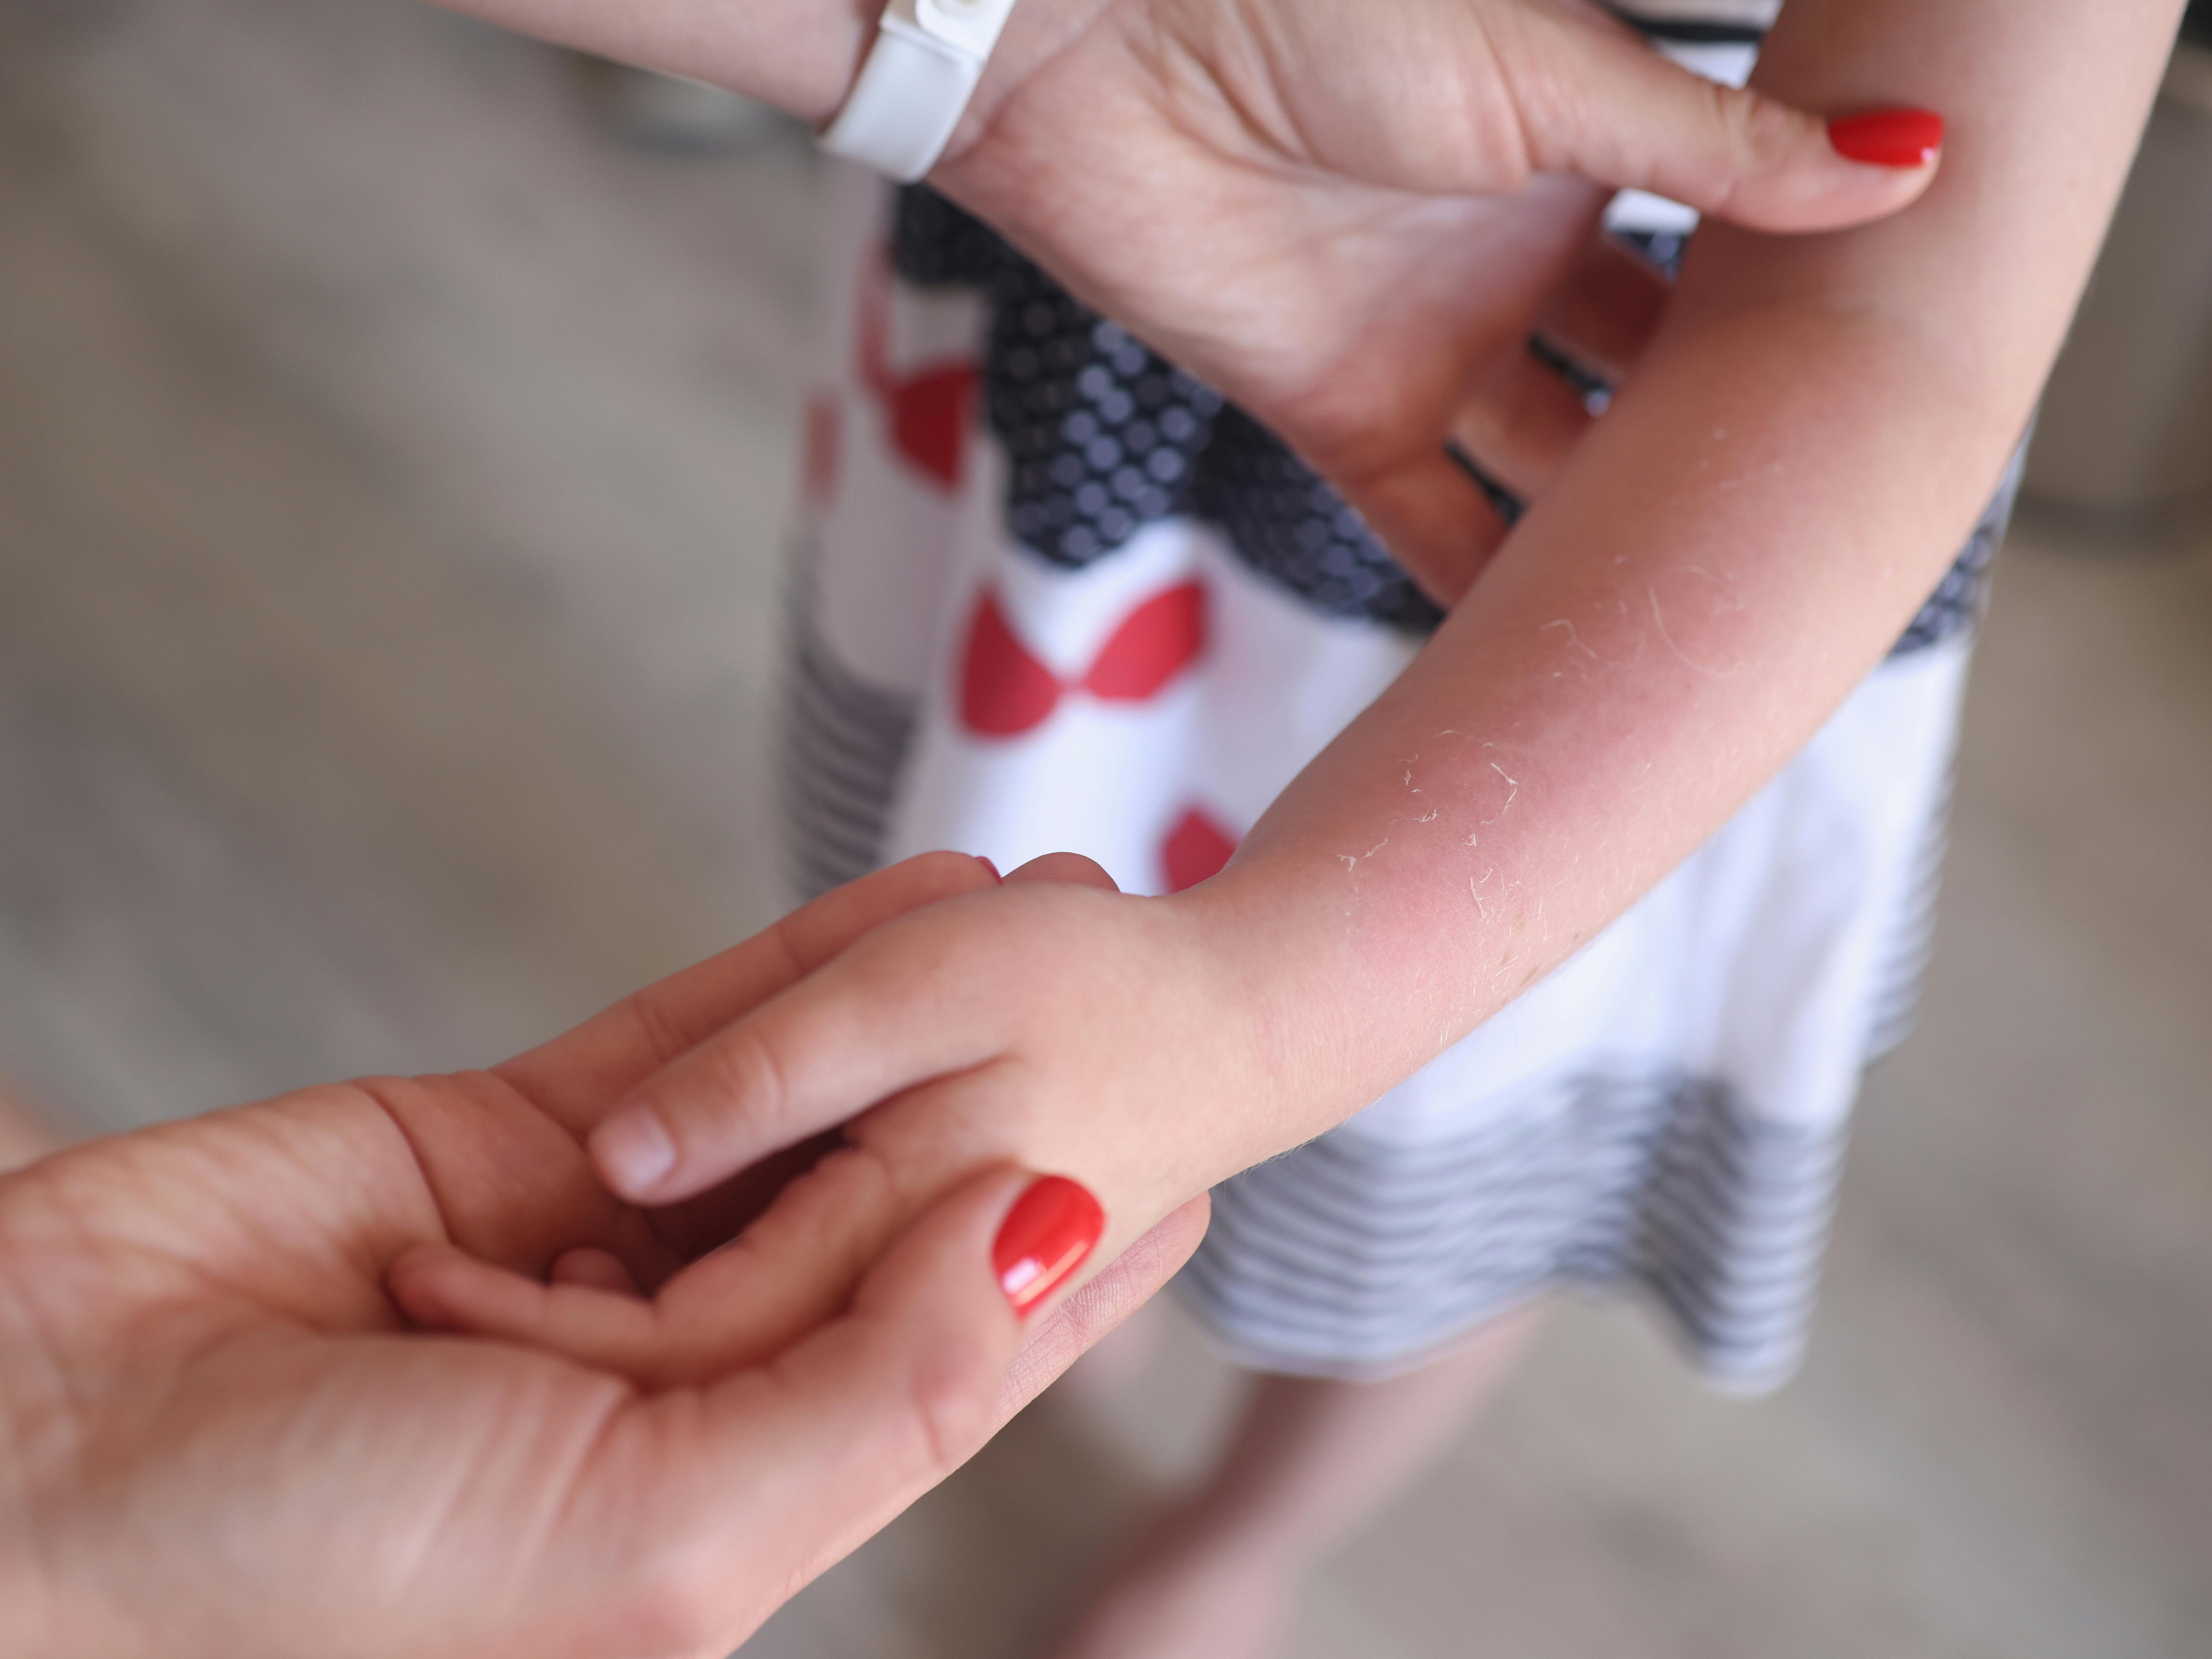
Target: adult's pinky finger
point(1063, 1335)
point(1438, 523)
point(1520, 422)
point(792, 1270)
point(590, 1319)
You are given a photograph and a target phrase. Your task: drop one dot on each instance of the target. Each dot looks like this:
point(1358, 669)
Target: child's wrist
point(1266, 972)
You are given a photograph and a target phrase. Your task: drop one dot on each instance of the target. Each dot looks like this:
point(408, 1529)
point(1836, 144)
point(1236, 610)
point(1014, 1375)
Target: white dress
point(1050, 594)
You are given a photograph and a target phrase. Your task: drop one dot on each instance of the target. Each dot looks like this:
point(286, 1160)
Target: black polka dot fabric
point(937, 244)
point(1283, 520)
point(1104, 436)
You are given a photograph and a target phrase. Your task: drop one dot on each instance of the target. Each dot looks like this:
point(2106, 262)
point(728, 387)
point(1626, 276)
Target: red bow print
point(1005, 691)
point(1194, 850)
point(929, 409)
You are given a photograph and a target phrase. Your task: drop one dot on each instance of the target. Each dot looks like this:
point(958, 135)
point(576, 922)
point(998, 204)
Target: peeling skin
point(1574, 640)
point(1507, 890)
point(1513, 783)
point(1722, 607)
point(1352, 861)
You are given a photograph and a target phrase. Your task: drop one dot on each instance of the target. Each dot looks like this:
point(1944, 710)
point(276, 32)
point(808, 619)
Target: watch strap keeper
point(920, 75)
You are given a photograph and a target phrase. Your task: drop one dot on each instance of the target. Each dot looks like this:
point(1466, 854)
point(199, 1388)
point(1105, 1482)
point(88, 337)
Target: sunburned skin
point(1708, 613)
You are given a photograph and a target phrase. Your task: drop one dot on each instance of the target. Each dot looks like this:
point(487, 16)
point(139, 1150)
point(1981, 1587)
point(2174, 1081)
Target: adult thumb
point(1596, 100)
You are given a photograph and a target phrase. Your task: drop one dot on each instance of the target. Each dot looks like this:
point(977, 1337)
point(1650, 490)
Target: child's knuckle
point(746, 1081)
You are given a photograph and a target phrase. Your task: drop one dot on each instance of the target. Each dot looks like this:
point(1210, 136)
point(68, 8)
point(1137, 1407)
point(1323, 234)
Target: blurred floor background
point(391, 472)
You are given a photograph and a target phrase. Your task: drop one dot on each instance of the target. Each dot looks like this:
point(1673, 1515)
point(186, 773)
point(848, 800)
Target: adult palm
point(217, 1434)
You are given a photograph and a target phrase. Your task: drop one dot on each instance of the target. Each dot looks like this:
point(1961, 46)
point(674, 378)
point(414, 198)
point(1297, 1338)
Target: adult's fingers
point(925, 1333)
point(1443, 516)
point(735, 1308)
point(1522, 423)
point(1437, 521)
point(1070, 1330)
point(578, 1075)
point(1607, 309)
point(1594, 100)
point(727, 1498)
point(793, 1268)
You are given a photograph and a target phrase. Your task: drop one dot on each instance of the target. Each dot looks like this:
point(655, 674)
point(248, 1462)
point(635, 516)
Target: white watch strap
point(927, 57)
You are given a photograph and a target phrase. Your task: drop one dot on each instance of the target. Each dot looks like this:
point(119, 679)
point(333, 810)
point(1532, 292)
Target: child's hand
point(1054, 1023)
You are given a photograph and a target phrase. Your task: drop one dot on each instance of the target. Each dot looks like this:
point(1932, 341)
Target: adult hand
point(1056, 1023)
point(1346, 218)
point(218, 1435)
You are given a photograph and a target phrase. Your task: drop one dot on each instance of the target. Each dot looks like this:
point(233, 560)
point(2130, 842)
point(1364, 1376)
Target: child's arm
point(1736, 545)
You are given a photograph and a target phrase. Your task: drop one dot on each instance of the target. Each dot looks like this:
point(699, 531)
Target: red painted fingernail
point(1888, 137)
point(1045, 1237)
point(992, 867)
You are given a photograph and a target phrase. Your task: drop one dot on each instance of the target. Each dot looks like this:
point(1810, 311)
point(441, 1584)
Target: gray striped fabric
point(843, 743)
point(1912, 943)
point(1350, 1256)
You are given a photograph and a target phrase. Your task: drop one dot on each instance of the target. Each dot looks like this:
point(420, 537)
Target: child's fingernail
point(634, 1151)
point(1888, 137)
point(991, 867)
point(1045, 1237)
